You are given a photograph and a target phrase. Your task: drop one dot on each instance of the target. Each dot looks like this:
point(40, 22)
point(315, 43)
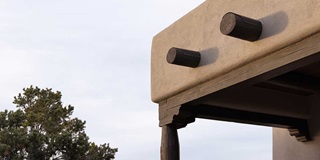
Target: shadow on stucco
point(208, 56)
point(274, 24)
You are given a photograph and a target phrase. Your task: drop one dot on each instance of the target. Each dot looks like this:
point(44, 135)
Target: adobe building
point(254, 62)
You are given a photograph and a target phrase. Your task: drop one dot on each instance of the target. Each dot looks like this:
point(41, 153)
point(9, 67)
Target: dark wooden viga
point(183, 57)
point(241, 27)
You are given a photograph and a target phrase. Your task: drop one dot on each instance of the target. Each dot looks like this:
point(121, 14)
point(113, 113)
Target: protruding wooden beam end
point(241, 27)
point(183, 57)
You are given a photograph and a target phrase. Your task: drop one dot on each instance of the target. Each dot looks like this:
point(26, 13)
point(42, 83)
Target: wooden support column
point(170, 143)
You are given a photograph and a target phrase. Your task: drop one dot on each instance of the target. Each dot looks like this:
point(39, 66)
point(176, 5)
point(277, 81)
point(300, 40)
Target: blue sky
point(97, 53)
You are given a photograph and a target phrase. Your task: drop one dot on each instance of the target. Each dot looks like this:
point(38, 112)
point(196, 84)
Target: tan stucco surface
point(284, 23)
point(286, 147)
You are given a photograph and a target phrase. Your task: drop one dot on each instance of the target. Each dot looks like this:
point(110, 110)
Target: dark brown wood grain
point(169, 143)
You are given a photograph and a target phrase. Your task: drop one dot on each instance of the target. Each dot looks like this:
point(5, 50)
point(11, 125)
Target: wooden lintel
point(297, 127)
point(177, 116)
point(293, 83)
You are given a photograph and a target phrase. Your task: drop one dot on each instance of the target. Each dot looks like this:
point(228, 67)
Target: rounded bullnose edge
point(228, 23)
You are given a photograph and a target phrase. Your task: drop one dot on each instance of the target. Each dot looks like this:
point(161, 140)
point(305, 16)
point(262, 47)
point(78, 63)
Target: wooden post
point(169, 143)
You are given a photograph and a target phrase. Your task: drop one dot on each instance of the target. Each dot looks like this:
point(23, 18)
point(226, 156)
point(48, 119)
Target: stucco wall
point(284, 23)
point(286, 147)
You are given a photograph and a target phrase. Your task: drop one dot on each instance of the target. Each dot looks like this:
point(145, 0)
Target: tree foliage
point(42, 129)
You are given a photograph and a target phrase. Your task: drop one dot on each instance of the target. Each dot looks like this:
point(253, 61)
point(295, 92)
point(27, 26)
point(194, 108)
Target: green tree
point(42, 128)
